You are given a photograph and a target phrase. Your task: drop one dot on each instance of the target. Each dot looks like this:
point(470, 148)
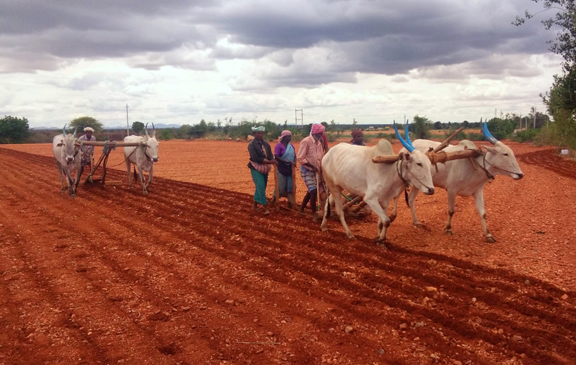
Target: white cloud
point(178, 61)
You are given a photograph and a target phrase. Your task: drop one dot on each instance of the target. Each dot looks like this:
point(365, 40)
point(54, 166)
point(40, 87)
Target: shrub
point(475, 136)
point(526, 135)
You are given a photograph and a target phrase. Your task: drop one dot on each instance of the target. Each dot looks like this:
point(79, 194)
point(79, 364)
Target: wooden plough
point(109, 146)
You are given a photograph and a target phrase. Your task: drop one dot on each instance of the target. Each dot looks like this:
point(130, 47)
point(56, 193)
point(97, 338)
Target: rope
point(346, 197)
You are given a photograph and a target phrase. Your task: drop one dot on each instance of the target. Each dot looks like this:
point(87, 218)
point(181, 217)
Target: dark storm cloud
point(382, 37)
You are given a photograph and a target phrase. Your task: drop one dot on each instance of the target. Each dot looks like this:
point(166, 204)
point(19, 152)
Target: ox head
point(150, 144)
point(68, 144)
point(500, 159)
point(415, 165)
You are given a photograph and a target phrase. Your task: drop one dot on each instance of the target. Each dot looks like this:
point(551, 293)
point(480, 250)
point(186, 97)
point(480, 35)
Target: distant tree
point(465, 124)
point(83, 122)
point(138, 127)
point(501, 128)
point(438, 125)
point(13, 130)
point(421, 127)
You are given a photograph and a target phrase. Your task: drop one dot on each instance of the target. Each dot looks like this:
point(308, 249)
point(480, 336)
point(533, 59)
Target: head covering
point(89, 129)
point(317, 128)
point(258, 129)
point(357, 132)
point(284, 133)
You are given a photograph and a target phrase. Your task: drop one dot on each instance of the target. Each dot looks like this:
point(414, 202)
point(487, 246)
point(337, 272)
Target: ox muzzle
point(428, 191)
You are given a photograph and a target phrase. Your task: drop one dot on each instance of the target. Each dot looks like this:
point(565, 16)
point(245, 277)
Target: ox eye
point(419, 164)
point(505, 154)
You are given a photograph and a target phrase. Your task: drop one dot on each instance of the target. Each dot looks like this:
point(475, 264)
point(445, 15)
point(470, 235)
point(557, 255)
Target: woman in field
point(261, 161)
point(285, 155)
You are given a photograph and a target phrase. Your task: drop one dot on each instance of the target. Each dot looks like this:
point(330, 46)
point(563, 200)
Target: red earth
point(191, 275)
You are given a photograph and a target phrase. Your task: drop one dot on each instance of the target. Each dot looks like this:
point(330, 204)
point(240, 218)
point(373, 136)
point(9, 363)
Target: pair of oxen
point(68, 154)
point(349, 167)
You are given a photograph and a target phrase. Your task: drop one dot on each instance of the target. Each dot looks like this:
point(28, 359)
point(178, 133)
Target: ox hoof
point(449, 231)
point(490, 239)
point(324, 229)
point(350, 236)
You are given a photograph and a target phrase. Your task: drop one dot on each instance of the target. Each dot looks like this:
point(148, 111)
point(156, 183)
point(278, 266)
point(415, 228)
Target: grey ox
point(468, 178)
point(68, 157)
point(349, 167)
point(144, 156)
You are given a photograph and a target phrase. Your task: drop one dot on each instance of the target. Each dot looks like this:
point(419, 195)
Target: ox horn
point(404, 143)
point(64, 129)
point(407, 133)
point(146, 130)
point(486, 132)
point(74, 135)
point(153, 130)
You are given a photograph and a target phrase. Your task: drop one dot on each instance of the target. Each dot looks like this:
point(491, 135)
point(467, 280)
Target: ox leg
point(150, 176)
point(339, 211)
point(451, 207)
point(70, 184)
point(394, 210)
point(142, 180)
point(61, 176)
point(129, 175)
point(479, 201)
point(383, 220)
point(411, 203)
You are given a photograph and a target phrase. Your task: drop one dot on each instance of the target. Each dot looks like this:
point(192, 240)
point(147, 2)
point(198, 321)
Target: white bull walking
point(349, 167)
point(144, 156)
point(468, 178)
point(68, 158)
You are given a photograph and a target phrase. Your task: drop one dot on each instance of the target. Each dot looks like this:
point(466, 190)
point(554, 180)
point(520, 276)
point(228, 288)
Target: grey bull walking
point(467, 177)
point(68, 157)
point(143, 156)
point(350, 167)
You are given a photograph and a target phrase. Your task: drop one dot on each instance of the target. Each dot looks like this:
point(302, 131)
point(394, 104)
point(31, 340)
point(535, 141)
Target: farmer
point(285, 155)
point(358, 137)
point(310, 159)
point(87, 151)
point(261, 161)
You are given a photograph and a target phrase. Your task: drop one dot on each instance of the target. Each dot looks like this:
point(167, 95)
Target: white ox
point(68, 157)
point(349, 167)
point(144, 156)
point(464, 178)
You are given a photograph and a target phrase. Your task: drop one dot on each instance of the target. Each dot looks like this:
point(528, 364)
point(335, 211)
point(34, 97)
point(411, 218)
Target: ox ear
point(407, 156)
point(490, 149)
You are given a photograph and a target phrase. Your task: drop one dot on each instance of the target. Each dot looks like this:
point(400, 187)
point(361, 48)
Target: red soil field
point(190, 275)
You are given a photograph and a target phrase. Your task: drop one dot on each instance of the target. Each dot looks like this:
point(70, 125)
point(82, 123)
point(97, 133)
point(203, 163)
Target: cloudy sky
point(181, 61)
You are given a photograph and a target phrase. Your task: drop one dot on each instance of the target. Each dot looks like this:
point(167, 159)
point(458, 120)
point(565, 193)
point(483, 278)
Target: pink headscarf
point(317, 128)
point(284, 133)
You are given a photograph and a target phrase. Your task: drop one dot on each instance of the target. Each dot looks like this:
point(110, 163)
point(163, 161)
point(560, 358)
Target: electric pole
point(127, 127)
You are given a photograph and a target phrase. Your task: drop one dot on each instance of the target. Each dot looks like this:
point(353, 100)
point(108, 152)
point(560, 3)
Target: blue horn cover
point(407, 133)
point(486, 133)
point(404, 143)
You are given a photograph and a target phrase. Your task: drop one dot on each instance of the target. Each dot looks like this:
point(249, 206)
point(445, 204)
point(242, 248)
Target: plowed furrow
point(205, 246)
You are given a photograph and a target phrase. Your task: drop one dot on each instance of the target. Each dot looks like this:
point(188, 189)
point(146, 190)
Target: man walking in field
point(87, 151)
point(310, 159)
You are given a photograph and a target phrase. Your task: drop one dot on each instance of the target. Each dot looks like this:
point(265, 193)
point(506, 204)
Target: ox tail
point(327, 206)
point(406, 197)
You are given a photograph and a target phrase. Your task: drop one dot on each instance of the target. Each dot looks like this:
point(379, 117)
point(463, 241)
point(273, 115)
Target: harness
point(399, 169)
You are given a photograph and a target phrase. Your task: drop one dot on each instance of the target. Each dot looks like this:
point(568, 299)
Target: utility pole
point(301, 119)
point(127, 127)
point(534, 117)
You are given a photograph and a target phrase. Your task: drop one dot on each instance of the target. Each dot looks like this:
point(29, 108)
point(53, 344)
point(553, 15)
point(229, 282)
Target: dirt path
point(189, 275)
